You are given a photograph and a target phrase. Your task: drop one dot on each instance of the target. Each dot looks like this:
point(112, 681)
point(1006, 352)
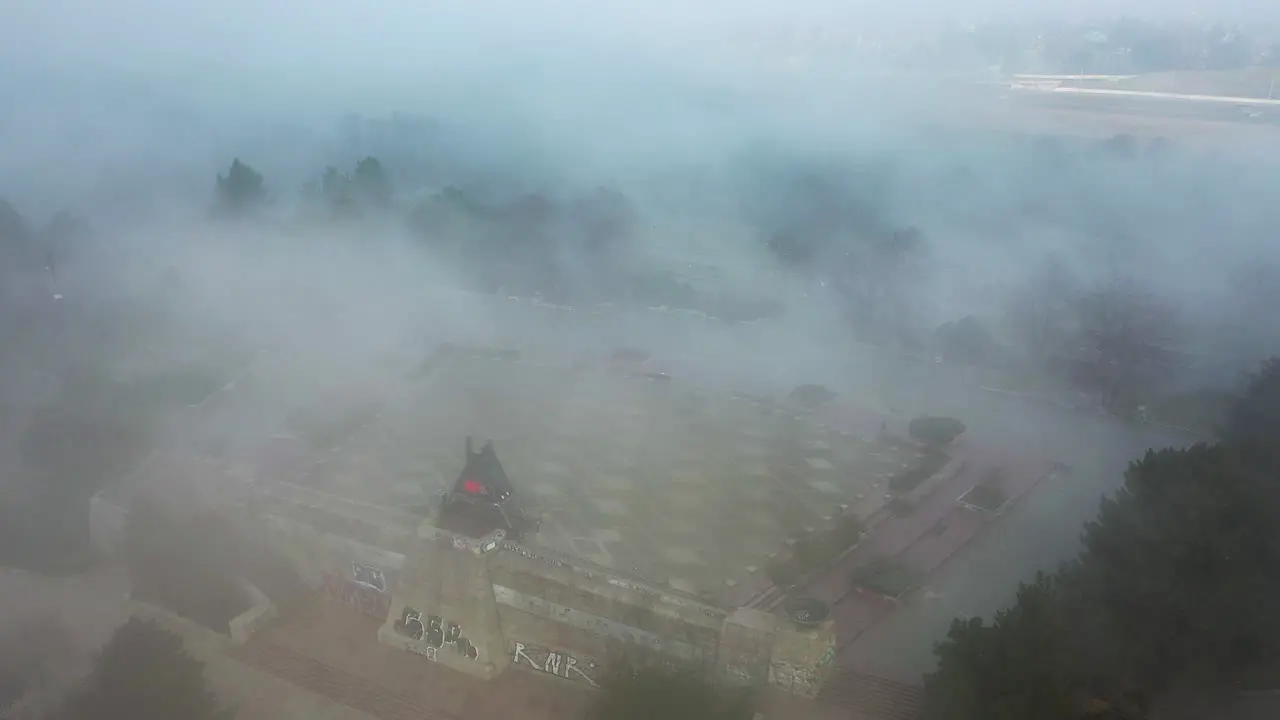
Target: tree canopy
point(1026, 646)
point(13, 227)
point(144, 672)
point(372, 183)
point(1174, 589)
point(240, 192)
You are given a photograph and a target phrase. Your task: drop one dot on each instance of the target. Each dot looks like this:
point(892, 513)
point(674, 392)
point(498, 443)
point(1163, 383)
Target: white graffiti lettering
point(434, 634)
point(363, 596)
point(369, 576)
point(531, 555)
point(642, 590)
point(560, 664)
point(425, 651)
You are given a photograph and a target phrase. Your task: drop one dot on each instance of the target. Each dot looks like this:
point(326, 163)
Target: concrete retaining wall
point(485, 606)
point(260, 612)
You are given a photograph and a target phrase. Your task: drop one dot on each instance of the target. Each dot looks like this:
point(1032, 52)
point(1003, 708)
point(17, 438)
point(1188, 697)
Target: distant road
point(1227, 99)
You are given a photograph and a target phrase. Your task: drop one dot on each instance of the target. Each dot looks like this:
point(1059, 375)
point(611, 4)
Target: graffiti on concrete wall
point(794, 679)
point(433, 634)
point(644, 591)
point(365, 590)
point(737, 674)
point(597, 625)
point(369, 576)
point(531, 555)
point(555, 663)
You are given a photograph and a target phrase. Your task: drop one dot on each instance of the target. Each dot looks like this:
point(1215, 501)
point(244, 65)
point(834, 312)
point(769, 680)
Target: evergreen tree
point(240, 192)
point(144, 672)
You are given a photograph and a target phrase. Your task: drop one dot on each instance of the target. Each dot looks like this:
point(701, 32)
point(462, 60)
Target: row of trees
point(1173, 592)
point(531, 243)
point(1110, 337)
point(242, 192)
point(23, 246)
point(840, 224)
point(1125, 344)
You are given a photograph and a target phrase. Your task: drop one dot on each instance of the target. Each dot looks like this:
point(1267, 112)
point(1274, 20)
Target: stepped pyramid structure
point(626, 520)
point(443, 609)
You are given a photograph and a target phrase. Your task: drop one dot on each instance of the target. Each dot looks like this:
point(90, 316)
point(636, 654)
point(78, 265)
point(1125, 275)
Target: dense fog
point(312, 192)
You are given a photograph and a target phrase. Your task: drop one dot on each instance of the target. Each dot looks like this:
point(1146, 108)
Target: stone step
point(873, 696)
point(336, 685)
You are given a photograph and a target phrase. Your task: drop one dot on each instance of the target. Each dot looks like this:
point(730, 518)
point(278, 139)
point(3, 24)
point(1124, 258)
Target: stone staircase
point(867, 697)
point(873, 697)
point(334, 684)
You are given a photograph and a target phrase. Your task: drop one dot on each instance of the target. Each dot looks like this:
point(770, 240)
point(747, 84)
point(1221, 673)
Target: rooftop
point(653, 479)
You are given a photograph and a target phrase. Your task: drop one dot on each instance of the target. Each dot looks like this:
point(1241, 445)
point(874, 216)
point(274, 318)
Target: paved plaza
point(687, 489)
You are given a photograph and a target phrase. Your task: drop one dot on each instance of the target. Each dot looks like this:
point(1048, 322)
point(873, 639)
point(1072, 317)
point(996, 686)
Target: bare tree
point(1041, 310)
point(1125, 342)
point(880, 279)
point(1253, 295)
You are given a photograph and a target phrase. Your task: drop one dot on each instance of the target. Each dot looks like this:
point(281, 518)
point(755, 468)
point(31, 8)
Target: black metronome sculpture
point(482, 499)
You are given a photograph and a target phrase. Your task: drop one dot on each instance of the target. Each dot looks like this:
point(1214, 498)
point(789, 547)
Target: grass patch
point(986, 497)
point(782, 573)
point(885, 576)
point(815, 551)
point(900, 507)
point(186, 386)
point(931, 461)
point(450, 350)
point(989, 494)
point(325, 432)
point(636, 690)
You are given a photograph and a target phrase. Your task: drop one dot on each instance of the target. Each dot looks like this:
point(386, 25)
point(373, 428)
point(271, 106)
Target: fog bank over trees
point(287, 203)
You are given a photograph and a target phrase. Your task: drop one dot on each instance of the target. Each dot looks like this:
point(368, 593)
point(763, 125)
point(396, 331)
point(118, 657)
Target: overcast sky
point(322, 35)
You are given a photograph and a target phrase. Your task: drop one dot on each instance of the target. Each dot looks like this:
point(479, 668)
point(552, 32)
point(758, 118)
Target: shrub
point(935, 431)
point(933, 460)
point(144, 672)
point(986, 497)
point(815, 551)
point(811, 396)
point(783, 573)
